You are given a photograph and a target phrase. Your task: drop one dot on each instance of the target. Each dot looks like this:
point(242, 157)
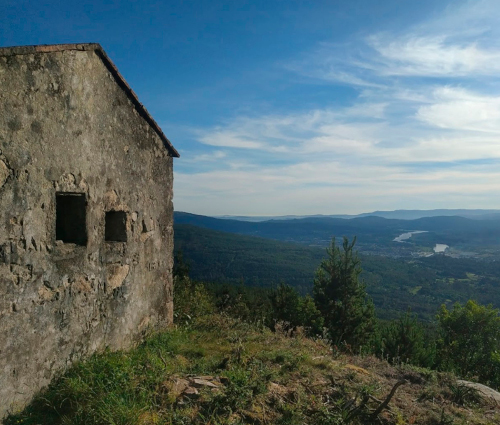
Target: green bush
point(292, 310)
point(191, 299)
point(405, 341)
point(469, 343)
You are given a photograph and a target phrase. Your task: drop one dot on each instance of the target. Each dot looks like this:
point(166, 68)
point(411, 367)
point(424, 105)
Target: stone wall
point(67, 127)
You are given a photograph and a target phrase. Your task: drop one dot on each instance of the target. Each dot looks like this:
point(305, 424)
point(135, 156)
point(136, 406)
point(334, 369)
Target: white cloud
point(229, 139)
point(343, 161)
point(459, 109)
point(346, 189)
point(345, 135)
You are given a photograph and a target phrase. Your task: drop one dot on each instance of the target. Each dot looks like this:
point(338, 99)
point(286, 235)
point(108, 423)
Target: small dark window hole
point(71, 220)
point(116, 226)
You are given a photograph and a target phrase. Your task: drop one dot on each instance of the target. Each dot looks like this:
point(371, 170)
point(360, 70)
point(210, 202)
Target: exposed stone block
point(116, 274)
point(4, 173)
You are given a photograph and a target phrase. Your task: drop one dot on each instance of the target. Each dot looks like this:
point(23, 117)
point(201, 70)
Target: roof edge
point(97, 48)
point(135, 100)
point(47, 48)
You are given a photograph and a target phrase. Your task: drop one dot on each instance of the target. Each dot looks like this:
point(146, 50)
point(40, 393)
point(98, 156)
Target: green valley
point(396, 284)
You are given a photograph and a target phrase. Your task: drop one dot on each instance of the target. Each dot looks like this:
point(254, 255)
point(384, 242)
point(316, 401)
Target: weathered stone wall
point(66, 126)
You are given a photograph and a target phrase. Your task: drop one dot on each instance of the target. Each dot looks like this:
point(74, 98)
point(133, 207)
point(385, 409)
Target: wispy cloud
point(463, 42)
point(432, 57)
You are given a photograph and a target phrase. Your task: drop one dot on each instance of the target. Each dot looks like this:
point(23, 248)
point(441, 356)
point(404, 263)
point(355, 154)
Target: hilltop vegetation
point(219, 370)
point(258, 377)
point(465, 339)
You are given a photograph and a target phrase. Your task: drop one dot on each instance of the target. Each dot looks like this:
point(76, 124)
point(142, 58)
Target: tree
point(310, 316)
point(181, 268)
point(191, 299)
point(340, 296)
point(470, 341)
point(285, 301)
point(293, 310)
point(405, 340)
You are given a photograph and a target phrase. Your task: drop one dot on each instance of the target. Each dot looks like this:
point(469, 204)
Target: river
point(440, 247)
point(408, 235)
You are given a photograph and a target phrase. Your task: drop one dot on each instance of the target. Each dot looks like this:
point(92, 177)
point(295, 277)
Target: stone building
point(86, 214)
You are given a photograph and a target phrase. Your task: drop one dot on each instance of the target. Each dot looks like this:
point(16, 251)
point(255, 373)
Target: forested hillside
point(395, 284)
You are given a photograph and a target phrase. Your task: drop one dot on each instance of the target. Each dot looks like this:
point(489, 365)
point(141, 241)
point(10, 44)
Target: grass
point(265, 378)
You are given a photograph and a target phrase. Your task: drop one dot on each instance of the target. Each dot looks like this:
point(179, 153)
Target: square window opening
point(116, 226)
point(71, 218)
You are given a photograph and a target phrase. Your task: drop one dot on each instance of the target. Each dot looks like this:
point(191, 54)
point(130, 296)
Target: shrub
point(470, 341)
point(191, 300)
point(292, 310)
point(404, 341)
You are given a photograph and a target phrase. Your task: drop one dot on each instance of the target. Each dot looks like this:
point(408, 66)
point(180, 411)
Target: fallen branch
point(375, 399)
point(384, 404)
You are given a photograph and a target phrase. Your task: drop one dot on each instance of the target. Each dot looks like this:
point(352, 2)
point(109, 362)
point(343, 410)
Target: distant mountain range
point(477, 236)
point(478, 214)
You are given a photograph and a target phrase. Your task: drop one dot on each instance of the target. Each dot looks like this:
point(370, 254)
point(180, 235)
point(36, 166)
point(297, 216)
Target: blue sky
point(304, 107)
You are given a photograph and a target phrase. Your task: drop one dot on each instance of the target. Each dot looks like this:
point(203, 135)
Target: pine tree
point(340, 296)
point(292, 310)
point(405, 340)
point(285, 301)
